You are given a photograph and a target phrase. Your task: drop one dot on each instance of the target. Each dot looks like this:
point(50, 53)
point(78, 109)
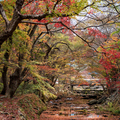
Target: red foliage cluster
point(110, 61)
point(109, 58)
point(46, 69)
point(96, 33)
point(65, 20)
point(33, 8)
point(84, 83)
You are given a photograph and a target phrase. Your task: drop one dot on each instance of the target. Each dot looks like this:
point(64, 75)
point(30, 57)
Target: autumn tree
point(110, 57)
point(15, 12)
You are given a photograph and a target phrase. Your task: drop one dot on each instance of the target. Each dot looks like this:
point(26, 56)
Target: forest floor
point(75, 108)
point(65, 108)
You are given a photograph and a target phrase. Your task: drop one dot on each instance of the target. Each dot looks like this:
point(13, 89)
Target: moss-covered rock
point(32, 106)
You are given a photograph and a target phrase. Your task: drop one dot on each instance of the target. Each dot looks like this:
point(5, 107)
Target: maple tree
point(109, 68)
point(109, 54)
point(53, 10)
point(110, 60)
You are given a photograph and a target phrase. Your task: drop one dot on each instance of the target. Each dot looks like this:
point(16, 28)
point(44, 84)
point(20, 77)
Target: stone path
point(73, 108)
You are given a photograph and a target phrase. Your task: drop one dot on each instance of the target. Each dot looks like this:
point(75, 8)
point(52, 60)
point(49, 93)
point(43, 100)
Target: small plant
point(85, 112)
point(110, 104)
point(86, 92)
point(101, 108)
point(116, 112)
point(113, 108)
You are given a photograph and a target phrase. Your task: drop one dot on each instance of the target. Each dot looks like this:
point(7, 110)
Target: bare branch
point(30, 1)
point(62, 43)
point(88, 5)
point(2, 12)
point(39, 37)
point(88, 43)
point(56, 4)
point(30, 22)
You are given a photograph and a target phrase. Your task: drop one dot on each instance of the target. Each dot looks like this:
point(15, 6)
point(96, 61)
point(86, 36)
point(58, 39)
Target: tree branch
point(2, 12)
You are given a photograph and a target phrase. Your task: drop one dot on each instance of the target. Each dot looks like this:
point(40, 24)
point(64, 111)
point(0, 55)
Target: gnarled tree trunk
point(5, 68)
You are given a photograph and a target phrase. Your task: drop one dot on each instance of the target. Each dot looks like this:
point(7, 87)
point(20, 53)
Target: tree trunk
point(5, 81)
point(72, 87)
point(54, 79)
point(15, 81)
point(103, 87)
point(5, 68)
point(33, 31)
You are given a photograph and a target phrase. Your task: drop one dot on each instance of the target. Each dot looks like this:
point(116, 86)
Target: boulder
point(91, 102)
point(101, 100)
